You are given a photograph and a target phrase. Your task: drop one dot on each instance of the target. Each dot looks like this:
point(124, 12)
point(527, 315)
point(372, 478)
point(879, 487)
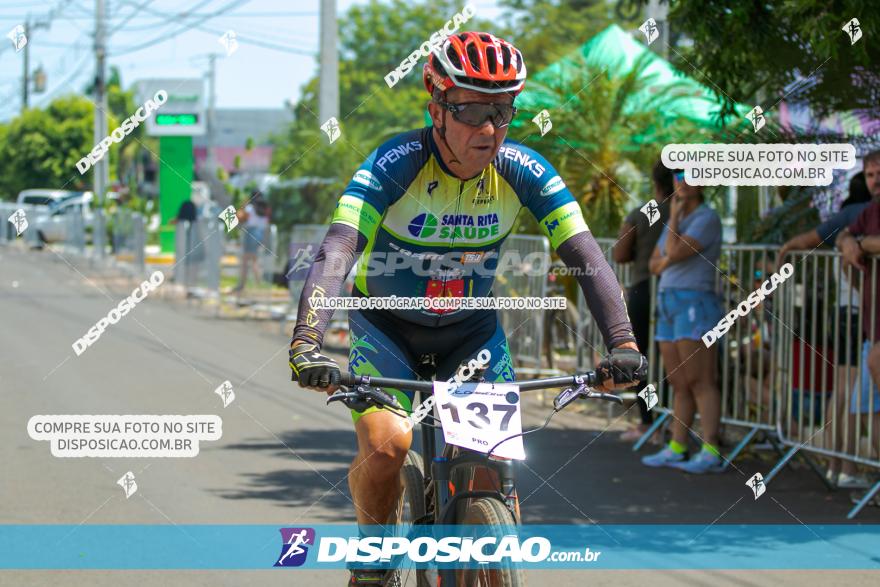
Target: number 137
point(481, 412)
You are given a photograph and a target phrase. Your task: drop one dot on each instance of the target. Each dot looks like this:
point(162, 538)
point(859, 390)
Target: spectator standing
point(636, 241)
point(843, 474)
point(859, 240)
point(688, 306)
point(254, 221)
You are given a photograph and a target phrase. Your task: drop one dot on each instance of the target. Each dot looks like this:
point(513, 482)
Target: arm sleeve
point(600, 286)
point(338, 252)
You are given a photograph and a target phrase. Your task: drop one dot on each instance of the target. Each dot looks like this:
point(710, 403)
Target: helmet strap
point(442, 131)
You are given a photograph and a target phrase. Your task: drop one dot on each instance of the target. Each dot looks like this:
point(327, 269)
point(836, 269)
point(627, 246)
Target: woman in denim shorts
point(686, 258)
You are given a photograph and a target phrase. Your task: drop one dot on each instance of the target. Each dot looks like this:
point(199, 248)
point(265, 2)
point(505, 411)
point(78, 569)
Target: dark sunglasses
point(680, 176)
point(477, 113)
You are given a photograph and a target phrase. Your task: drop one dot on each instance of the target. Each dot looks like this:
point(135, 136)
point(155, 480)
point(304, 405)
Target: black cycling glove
point(624, 366)
point(311, 368)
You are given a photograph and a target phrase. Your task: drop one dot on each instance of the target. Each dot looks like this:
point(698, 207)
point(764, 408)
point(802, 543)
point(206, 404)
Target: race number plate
point(480, 415)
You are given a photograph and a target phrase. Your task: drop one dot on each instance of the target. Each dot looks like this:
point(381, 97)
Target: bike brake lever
point(609, 397)
point(567, 396)
point(364, 397)
point(571, 394)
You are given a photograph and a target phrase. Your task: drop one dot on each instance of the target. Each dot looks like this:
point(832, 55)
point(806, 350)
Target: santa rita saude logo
point(455, 226)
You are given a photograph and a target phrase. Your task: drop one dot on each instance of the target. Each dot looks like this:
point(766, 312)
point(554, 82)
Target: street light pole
point(102, 167)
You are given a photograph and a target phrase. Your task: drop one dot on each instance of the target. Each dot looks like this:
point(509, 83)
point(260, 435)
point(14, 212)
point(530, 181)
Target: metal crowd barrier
point(788, 370)
point(129, 239)
point(524, 328)
point(199, 247)
point(827, 403)
point(8, 232)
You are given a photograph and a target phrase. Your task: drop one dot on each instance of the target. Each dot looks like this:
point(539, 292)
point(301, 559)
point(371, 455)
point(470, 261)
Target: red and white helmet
point(475, 61)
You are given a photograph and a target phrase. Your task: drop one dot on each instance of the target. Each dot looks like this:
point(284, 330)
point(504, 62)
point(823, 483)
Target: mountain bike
point(460, 485)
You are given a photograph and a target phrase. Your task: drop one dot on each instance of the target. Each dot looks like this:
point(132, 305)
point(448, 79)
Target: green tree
point(604, 141)
point(749, 47)
point(545, 30)
point(40, 147)
point(374, 39)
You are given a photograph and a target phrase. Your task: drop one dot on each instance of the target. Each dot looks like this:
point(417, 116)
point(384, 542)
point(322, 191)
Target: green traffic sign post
point(175, 184)
point(175, 123)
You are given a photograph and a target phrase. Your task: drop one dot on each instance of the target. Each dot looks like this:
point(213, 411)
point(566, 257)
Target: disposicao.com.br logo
point(294, 546)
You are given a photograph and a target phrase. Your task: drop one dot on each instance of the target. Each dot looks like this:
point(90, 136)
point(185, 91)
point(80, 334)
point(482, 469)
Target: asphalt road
point(284, 455)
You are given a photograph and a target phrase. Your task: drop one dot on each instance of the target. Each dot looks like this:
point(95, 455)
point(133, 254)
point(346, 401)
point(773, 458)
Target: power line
point(232, 5)
point(280, 14)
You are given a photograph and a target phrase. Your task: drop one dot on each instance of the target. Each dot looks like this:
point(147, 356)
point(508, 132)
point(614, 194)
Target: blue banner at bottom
point(529, 546)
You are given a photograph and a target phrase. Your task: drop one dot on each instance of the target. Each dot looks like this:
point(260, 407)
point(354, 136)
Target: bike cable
point(491, 450)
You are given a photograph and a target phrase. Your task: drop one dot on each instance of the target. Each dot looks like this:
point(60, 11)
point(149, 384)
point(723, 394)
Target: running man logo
point(542, 120)
point(19, 221)
point(18, 37)
point(423, 225)
point(649, 396)
point(128, 484)
point(652, 211)
point(229, 42)
point(756, 483)
point(331, 129)
point(649, 29)
point(226, 393)
point(293, 546)
point(757, 118)
point(229, 218)
point(854, 30)
point(551, 226)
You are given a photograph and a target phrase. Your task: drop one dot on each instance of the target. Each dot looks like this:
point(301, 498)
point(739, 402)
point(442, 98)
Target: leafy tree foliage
point(749, 47)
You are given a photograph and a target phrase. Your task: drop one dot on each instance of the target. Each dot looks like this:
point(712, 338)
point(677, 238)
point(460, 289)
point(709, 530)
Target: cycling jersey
point(405, 201)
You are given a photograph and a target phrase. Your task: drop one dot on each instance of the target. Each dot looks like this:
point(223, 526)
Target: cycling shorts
point(383, 345)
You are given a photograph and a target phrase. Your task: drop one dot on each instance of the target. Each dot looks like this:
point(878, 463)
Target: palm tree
point(608, 131)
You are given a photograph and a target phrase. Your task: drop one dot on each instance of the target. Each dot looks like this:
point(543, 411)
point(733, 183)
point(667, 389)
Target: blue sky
point(252, 77)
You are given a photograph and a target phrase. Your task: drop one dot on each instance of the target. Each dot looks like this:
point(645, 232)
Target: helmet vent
point(473, 56)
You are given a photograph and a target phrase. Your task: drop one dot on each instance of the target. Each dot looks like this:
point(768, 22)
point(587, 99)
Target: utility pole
point(102, 175)
point(328, 94)
point(25, 74)
point(212, 126)
point(660, 12)
point(29, 28)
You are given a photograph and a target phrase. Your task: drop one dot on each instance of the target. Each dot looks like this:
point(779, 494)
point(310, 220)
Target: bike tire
point(410, 507)
point(486, 511)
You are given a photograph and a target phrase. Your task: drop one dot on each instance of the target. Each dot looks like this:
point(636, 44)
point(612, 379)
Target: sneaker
point(703, 462)
point(846, 481)
point(375, 577)
point(633, 434)
point(831, 476)
point(665, 458)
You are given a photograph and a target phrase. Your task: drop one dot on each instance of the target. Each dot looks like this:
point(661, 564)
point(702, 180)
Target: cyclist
point(448, 194)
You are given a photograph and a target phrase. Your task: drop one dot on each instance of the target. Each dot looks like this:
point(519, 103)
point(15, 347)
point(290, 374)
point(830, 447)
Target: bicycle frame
point(440, 470)
point(443, 468)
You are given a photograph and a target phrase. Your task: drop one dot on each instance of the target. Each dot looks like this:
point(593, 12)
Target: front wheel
point(409, 508)
point(493, 514)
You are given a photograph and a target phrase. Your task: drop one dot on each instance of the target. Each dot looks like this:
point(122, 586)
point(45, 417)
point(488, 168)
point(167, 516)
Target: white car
point(45, 197)
point(60, 217)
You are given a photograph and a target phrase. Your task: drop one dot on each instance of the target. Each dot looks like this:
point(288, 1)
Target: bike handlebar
point(589, 378)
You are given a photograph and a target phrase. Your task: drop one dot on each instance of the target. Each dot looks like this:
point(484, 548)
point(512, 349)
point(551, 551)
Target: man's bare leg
point(374, 477)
